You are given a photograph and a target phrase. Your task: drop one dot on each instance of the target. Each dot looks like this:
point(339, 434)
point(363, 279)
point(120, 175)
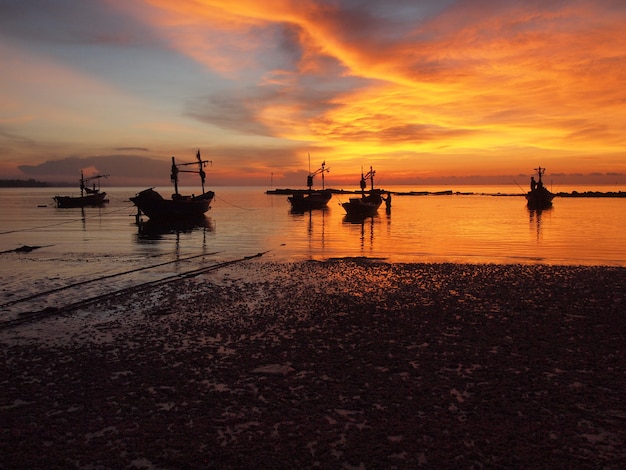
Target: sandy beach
point(348, 363)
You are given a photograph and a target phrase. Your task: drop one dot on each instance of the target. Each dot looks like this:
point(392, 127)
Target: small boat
point(367, 205)
point(88, 196)
point(538, 197)
point(179, 207)
point(307, 200)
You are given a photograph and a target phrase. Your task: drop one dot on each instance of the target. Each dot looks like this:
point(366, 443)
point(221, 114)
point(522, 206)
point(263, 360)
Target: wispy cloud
point(446, 85)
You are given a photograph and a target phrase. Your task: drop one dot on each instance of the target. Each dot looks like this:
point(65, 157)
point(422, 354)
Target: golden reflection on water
point(244, 221)
point(77, 245)
point(458, 228)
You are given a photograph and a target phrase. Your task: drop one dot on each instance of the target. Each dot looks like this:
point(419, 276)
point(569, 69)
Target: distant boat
point(538, 197)
point(307, 200)
point(179, 207)
point(367, 205)
point(88, 196)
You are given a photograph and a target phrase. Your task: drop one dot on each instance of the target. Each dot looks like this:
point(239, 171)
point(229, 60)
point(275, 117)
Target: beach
point(344, 363)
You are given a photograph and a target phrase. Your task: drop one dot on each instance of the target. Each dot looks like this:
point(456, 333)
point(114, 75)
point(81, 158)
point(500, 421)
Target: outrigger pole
point(201, 164)
point(84, 180)
point(322, 170)
point(370, 174)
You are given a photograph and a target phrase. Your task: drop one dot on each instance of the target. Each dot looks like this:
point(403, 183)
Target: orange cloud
point(462, 86)
point(469, 77)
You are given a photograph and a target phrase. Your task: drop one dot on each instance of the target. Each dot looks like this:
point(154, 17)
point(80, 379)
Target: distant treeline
point(31, 183)
point(593, 194)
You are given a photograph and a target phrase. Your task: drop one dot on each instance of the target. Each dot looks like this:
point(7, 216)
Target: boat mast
point(370, 174)
point(201, 164)
point(540, 171)
point(322, 170)
point(174, 176)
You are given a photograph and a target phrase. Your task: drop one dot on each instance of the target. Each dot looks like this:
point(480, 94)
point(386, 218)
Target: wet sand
point(342, 364)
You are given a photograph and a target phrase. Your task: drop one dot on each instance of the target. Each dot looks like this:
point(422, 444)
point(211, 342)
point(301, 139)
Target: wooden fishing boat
point(310, 199)
point(367, 205)
point(88, 196)
point(156, 207)
point(538, 198)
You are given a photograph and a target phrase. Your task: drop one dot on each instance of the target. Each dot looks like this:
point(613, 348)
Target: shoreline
point(451, 192)
point(345, 362)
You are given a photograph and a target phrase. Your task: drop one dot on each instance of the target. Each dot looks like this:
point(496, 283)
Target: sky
point(420, 90)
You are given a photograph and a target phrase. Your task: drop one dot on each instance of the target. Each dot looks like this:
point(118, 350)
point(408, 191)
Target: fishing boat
point(310, 199)
point(88, 196)
point(538, 197)
point(367, 205)
point(179, 207)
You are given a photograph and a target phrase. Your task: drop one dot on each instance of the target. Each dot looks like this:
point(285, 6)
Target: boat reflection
point(366, 224)
point(315, 219)
point(153, 230)
point(296, 212)
point(535, 220)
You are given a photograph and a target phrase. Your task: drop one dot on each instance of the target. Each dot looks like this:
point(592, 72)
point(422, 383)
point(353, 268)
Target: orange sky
point(419, 90)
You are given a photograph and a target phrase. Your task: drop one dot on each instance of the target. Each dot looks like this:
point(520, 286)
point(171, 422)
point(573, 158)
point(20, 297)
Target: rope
point(71, 221)
point(234, 205)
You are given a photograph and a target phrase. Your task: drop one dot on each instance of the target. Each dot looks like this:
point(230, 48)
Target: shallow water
point(81, 245)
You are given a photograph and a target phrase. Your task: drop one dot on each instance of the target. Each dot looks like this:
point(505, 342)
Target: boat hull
point(96, 199)
point(360, 208)
point(153, 205)
point(309, 200)
point(539, 198)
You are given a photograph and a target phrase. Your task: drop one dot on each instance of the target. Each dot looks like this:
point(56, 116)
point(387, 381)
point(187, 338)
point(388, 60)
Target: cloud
point(229, 166)
point(71, 22)
point(446, 85)
point(121, 168)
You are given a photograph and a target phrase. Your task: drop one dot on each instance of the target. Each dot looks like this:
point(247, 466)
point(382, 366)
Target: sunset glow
point(418, 89)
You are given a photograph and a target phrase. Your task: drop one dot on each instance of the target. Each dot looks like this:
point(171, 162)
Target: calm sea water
point(78, 245)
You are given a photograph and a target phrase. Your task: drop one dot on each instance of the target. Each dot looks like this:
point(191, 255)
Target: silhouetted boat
point(538, 197)
point(367, 205)
point(156, 207)
point(88, 196)
point(311, 199)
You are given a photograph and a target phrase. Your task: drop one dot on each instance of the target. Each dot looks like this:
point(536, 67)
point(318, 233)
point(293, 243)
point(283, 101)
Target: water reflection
point(314, 219)
point(308, 212)
point(535, 220)
point(366, 224)
point(151, 230)
point(82, 214)
point(450, 228)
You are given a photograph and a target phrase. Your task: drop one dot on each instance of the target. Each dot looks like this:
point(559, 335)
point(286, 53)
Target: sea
point(49, 254)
